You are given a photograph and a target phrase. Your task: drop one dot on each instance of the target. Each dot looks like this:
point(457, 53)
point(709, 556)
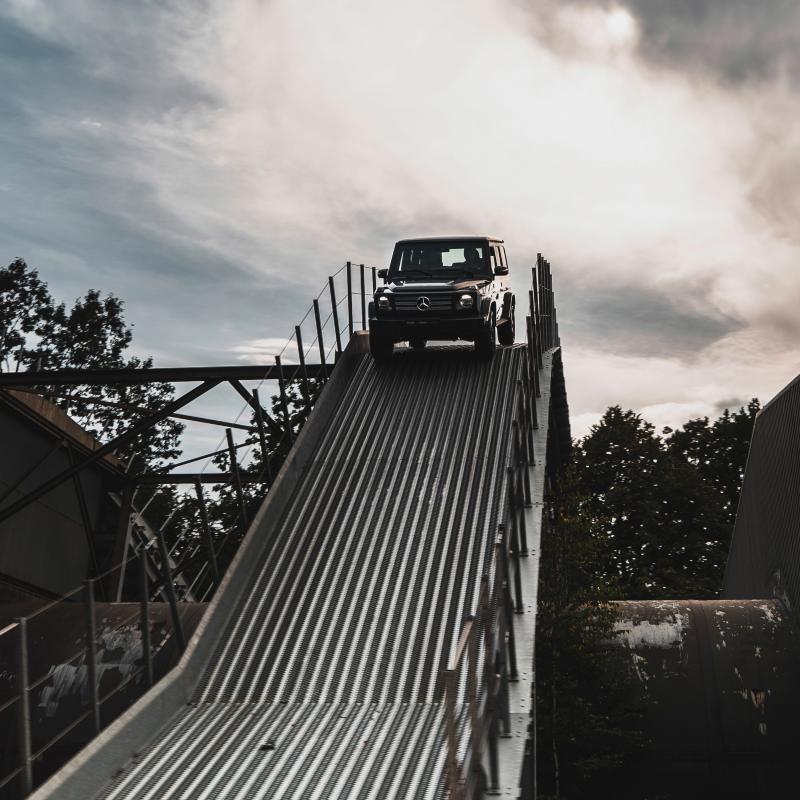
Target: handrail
point(488, 703)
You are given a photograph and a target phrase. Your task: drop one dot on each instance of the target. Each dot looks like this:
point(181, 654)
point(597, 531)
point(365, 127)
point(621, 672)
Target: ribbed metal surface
point(764, 559)
point(335, 651)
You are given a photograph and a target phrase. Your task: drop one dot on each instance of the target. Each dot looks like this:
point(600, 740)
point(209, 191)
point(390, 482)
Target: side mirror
point(383, 274)
point(500, 270)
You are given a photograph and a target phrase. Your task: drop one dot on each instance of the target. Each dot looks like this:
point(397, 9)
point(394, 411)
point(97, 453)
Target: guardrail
point(475, 719)
point(185, 568)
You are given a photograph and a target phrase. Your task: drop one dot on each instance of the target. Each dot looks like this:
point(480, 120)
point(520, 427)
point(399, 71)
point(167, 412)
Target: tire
point(486, 342)
point(507, 331)
point(416, 343)
point(380, 347)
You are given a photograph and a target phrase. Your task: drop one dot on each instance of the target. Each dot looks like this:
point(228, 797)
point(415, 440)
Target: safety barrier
point(486, 645)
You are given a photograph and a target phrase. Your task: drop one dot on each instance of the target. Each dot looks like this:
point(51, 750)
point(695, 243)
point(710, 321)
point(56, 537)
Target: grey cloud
point(635, 321)
point(736, 40)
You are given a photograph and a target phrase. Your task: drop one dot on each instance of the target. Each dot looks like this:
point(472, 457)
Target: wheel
point(380, 347)
point(507, 331)
point(486, 342)
point(416, 343)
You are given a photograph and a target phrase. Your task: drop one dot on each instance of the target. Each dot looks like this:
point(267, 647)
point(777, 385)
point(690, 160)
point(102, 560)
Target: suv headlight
point(383, 302)
point(466, 301)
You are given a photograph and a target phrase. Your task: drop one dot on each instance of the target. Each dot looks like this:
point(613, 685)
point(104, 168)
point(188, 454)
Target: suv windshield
point(446, 259)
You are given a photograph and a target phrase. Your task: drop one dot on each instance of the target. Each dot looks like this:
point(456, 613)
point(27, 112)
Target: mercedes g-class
point(445, 288)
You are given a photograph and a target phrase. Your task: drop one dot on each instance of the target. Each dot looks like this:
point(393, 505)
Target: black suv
point(448, 288)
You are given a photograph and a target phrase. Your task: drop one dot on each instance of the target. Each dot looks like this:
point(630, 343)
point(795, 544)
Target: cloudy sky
point(212, 161)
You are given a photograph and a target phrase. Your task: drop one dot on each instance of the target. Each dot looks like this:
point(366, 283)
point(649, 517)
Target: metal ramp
point(326, 681)
point(363, 643)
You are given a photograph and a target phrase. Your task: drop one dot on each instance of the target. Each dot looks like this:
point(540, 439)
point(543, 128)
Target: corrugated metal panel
point(764, 559)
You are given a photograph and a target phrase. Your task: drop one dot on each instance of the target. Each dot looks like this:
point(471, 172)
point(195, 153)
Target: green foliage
point(667, 505)
point(585, 728)
point(35, 333)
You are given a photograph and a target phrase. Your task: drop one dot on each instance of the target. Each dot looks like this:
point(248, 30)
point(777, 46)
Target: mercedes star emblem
point(424, 304)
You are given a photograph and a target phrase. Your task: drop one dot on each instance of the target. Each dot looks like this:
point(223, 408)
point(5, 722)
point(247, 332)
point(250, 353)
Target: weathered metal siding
point(764, 558)
point(716, 682)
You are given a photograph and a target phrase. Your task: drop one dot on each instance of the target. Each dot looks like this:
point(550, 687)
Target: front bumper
point(400, 329)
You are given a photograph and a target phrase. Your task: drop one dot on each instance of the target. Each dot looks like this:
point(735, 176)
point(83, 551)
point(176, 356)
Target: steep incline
point(326, 683)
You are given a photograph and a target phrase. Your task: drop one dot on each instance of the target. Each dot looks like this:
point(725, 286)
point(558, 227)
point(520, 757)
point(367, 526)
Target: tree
point(26, 308)
point(719, 451)
point(666, 530)
point(586, 728)
point(93, 334)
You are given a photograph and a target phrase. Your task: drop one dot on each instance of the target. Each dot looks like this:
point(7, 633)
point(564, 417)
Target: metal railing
point(477, 710)
point(187, 568)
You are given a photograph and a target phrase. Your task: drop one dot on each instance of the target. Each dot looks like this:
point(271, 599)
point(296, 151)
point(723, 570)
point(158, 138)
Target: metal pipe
point(284, 402)
point(206, 530)
point(349, 299)
point(298, 335)
point(24, 709)
point(363, 301)
point(170, 589)
point(237, 481)
point(335, 312)
point(144, 619)
point(91, 654)
point(318, 321)
point(262, 436)
point(374, 279)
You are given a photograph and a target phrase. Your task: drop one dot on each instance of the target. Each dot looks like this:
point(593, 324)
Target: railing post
point(363, 301)
point(335, 312)
point(530, 397)
point(24, 709)
point(374, 279)
point(91, 653)
point(284, 402)
point(237, 479)
point(298, 337)
point(350, 299)
point(169, 587)
point(472, 693)
point(494, 761)
point(144, 618)
point(320, 343)
point(262, 436)
point(507, 607)
point(450, 730)
point(206, 530)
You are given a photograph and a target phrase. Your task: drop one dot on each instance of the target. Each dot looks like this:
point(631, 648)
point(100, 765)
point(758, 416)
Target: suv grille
point(439, 302)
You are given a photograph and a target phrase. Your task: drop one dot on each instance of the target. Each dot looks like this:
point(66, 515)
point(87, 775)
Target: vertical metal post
point(374, 279)
point(472, 695)
point(262, 436)
point(335, 312)
point(298, 336)
point(169, 587)
point(144, 618)
point(537, 339)
point(531, 380)
point(534, 360)
point(318, 321)
point(349, 299)
point(506, 608)
point(237, 479)
point(494, 761)
point(24, 709)
point(206, 530)
point(91, 653)
point(363, 301)
point(450, 731)
point(284, 402)
point(549, 281)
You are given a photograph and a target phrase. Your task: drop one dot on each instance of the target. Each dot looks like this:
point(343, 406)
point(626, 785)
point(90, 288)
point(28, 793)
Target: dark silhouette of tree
point(35, 334)
point(586, 728)
point(719, 451)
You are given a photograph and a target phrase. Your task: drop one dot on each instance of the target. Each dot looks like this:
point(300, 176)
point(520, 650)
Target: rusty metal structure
point(374, 633)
